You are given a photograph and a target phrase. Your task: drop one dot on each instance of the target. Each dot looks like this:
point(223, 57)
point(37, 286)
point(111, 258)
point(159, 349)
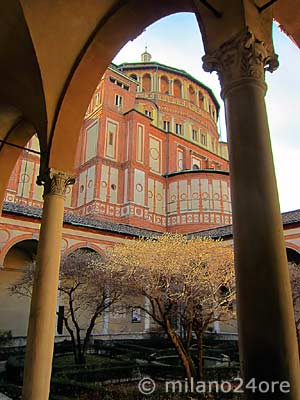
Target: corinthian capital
point(244, 56)
point(55, 182)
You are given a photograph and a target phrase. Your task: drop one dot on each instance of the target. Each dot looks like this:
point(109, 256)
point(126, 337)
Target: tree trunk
point(298, 338)
point(185, 358)
point(73, 340)
point(200, 355)
point(81, 358)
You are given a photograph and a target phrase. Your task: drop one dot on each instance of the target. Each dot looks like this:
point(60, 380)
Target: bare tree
point(190, 278)
point(86, 288)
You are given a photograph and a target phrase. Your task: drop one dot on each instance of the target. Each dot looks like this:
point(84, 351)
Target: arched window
point(191, 94)
point(195, 166)
point(177, 88)
point(147, 83)
point(201, 99)
point(164, 85)
point(134, 76)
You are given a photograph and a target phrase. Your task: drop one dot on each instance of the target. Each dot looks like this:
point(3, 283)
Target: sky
point(176, 41)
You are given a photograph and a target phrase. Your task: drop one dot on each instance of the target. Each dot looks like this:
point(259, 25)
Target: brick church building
point(149, 160)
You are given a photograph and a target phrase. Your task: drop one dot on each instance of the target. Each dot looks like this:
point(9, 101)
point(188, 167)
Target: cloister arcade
point(52, 54)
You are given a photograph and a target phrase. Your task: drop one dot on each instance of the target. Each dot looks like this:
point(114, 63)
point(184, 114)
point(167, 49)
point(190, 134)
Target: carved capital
point(55, 182)
point(242, 57)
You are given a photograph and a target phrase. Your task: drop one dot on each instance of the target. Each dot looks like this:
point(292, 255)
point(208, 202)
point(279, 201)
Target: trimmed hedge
point(12, 391)
point(117, 373)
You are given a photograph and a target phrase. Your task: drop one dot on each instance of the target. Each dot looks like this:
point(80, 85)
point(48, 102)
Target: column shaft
point(268, 345)
point(266, 320)
point(41, 329)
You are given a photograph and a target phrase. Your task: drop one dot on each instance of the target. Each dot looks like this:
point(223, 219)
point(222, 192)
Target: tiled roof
point(111, 226)
point(290, 217)
point(76, 220)
point(219, 232)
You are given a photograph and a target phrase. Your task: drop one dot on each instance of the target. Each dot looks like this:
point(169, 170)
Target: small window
point(166, 126)
point(120, 84)
point(180, 165)
point(203, 139)
point(136, 315)
point(148, 113)
point(178, 129)
point(111, 138)
point(118, 100)
point(196, 163)
point(195, 135)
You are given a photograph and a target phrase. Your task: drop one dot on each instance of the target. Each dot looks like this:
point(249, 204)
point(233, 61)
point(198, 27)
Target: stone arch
point(164, 84)
point(177, 88)
point(84, 245)
point(14, 242)
point(18, 135)
point(63, 86)
point(131, 20)
point(293, 255)
point(201, 99)
point(25, 245)
point(147, 83)
point(15, 310)
point(134, 76)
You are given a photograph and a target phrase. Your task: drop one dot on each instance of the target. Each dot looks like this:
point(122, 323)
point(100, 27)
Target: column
point(267, 336)
point(197, 97)
point(41, 329)
point(171, 87)
point(172, 124)
point(152, 82)
point(158, 83)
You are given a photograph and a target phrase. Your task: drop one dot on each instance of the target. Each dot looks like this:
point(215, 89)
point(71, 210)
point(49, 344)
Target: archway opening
point(293, 256)
point(164, 85)
point(147, 83)
point(14, 310)
point(177, 88)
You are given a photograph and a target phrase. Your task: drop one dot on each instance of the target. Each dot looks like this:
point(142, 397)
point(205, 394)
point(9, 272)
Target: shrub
point(14, 369)
point(12, 391)
point(5, 337)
